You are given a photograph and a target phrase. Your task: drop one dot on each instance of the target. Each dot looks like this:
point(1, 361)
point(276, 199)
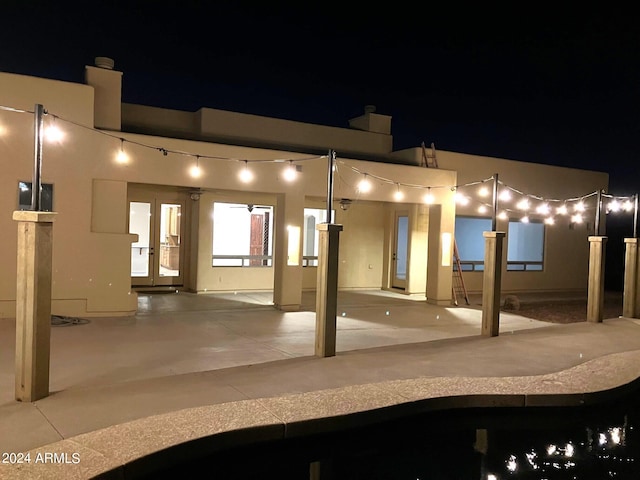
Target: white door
point(157, 257)
point(400, 251)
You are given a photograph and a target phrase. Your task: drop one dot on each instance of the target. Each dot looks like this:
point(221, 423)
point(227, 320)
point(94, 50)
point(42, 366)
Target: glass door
point(156, 258)
point(400, 251)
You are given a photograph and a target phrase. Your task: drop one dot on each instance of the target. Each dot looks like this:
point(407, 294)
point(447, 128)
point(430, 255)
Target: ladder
point(458, 288)
point(429, 158)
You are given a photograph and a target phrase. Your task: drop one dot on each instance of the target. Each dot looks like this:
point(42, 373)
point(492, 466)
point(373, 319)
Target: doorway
point(400, 251)
point(158, 257)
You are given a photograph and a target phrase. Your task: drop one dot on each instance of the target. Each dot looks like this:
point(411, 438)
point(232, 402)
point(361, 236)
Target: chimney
point(372, 122)
point(107, 86)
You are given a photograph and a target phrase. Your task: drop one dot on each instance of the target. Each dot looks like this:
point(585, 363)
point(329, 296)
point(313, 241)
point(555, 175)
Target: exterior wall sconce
point(345, 203)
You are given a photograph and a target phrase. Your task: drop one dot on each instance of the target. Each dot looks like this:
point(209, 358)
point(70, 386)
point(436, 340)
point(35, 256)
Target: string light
point(398, 195)
point(524, 219)
point(428, 198)
point(53, 133)
point(505, 195)
point(461, 199)
point(503, 215)
point(290, 173)
point(245, 174)
point(549, 220)
point(195, 171)
point(365, 185)
point(523, 204)
point(121, 156)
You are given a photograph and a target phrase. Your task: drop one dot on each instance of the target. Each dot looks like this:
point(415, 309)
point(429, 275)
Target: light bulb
point(365, 185)
point(505, 195)
point(524, 219)
point(523, 204)
point(503, 215)
point(290, 173)
point(549, 221)
point(53, 134)
point(121, 156)
point(482, 209)
point(483, 192)
point(562, 210)
point(579, 207)
point(461, 199)
point(428, 198)
point(195, 171)
point(398, 195)
point(245, 174)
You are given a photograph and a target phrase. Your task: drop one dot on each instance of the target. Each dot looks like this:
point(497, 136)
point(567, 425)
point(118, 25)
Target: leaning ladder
point(457, 286)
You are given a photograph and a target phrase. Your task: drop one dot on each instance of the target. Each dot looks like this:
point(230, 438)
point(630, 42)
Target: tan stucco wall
point(566, 248)
point(91, 251)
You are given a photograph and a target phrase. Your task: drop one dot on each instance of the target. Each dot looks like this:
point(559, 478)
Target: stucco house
point(214, 201)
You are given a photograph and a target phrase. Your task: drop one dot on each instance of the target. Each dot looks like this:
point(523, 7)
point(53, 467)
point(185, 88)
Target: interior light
point(365, 185)
point(245, 174)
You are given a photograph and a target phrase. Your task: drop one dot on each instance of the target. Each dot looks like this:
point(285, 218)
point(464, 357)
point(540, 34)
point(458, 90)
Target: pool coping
point(140, 447)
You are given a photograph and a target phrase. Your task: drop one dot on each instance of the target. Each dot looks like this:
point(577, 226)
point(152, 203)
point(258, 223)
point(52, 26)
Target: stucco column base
point(631, 295)
point(33, 304)
point(595, 292)
point(492, 283)
point(327, 289)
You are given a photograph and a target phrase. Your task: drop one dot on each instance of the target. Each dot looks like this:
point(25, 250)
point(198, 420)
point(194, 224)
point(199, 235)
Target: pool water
point(589, 442)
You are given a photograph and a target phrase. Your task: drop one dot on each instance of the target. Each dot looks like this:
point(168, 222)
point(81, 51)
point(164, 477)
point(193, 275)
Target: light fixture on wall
point(195, 195)
point(345, 203)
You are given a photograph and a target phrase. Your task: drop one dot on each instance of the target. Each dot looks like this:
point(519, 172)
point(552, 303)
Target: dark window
point(24, 197)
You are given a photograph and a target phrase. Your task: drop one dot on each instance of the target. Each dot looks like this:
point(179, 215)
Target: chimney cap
point(105, 62)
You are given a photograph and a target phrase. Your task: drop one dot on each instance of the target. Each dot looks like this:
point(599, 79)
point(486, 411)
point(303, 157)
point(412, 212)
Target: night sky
point(557, 87)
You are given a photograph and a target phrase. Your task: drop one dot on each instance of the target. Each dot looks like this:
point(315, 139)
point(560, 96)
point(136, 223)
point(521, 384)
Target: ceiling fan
point(251, 207)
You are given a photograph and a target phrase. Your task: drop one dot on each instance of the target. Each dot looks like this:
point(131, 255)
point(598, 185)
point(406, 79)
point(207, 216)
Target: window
point(310, 237)
point(470, 242)
point(525, 246)
point(24, 196)
point(242, 235)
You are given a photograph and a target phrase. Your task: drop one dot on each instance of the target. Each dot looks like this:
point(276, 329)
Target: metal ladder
point(458, 288)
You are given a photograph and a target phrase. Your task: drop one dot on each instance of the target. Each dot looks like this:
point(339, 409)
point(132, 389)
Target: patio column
point(287, 278)
point(492, 283)
point(595, 294)
point(631, 295)
point(33, 304)
point(327, 289)
point(440, 255)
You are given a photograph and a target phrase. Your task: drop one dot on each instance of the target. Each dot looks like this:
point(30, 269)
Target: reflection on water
point(590, 442)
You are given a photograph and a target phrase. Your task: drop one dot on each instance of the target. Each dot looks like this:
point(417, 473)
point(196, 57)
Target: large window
point(470, 242)
point(242, 235)
point(525, 246)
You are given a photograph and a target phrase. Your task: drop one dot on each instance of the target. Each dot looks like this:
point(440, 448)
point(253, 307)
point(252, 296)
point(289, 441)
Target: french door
point(400, 251)
point(157, 258)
